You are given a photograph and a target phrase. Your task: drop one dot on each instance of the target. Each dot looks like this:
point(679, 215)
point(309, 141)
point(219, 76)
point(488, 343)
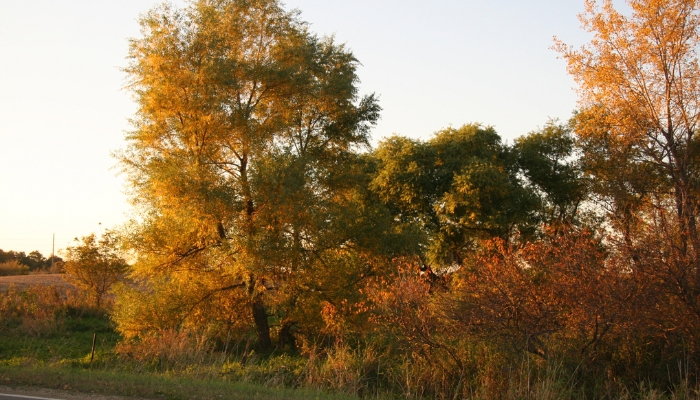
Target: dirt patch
point(22, 281)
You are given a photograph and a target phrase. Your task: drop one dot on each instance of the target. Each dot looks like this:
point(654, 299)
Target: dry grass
point(24, 281)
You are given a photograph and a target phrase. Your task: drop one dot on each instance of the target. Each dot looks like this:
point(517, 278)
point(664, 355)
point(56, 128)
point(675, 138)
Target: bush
point(13, 267)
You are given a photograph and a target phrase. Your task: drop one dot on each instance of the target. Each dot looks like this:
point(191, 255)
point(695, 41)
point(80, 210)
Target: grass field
point(23, 281)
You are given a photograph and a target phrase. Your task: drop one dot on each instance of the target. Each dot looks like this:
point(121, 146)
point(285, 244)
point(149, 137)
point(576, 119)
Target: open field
point(22, 281)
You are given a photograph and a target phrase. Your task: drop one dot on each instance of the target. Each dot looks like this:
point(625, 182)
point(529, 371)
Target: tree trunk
point(286, 337)
point(261, 326)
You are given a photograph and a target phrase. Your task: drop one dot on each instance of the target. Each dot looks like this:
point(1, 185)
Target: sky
point(63, 109)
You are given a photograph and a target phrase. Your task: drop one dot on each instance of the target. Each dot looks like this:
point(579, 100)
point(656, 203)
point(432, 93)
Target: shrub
point(95, 266)
point(13, 267)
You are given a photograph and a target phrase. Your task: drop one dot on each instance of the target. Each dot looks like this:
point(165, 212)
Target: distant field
point(29, 280)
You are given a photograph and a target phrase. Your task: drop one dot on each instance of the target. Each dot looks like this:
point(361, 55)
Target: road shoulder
point(59, 394)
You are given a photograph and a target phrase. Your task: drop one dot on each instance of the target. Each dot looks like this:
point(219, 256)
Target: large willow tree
point(242, 166)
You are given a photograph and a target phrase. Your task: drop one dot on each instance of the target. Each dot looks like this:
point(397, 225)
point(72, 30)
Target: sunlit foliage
point(95, 265)
point(640, 112)
point(243, 165)
point(428, 266)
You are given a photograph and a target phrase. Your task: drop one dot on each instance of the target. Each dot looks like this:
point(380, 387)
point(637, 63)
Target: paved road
point(52, 394)
point(35, 393)
point(5, 396)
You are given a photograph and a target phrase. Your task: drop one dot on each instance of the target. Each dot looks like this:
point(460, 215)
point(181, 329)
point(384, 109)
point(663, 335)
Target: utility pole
point(53, 246)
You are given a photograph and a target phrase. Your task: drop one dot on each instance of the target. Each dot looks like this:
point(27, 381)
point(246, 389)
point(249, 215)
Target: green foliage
point(261, 220)
point(244, 167)
point(547, 159)
point(34, 260)
point(128, 384)
point(617, 175)
point(50, 324)
point(459, 187)
point(389, 362)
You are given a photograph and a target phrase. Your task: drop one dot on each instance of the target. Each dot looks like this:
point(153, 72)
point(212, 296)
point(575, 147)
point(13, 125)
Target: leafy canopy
point(95, 265)
point(459, 187)
point(243, 165)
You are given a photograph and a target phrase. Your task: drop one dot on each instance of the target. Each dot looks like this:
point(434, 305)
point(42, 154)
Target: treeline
point(19, 263)
point(459, 266)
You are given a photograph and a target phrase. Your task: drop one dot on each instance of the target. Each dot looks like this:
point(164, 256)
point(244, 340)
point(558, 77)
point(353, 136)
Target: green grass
point(58, 357)
point(70, 340)
point(148, 385)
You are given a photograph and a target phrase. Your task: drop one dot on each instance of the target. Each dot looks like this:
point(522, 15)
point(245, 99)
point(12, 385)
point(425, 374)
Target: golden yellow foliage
point(242, 165)
point(639, 84)
point(639, 91)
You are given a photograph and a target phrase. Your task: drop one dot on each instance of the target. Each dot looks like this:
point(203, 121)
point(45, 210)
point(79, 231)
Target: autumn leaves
point(263, 210)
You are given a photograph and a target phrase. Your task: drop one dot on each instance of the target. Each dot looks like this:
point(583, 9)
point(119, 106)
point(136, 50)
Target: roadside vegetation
point(47, 334)
point(275, 248)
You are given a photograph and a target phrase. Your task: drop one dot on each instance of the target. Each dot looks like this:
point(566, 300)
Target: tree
point(240, 160)
point(638, 84)
point(95, 265)
point(547, 159)
point(459, 187)
point(640, 112)
point(34, 260)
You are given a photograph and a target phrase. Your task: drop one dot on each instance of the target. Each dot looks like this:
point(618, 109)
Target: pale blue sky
point(433, 64)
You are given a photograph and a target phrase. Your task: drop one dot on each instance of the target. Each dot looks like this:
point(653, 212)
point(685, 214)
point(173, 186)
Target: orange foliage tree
point(639, 80)
point(559, 288)
point(245, 170)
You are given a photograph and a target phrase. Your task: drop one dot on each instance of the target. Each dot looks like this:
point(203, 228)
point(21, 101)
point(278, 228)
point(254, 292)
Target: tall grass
point(51, 328)
point(41, 310)
point(373, 370)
